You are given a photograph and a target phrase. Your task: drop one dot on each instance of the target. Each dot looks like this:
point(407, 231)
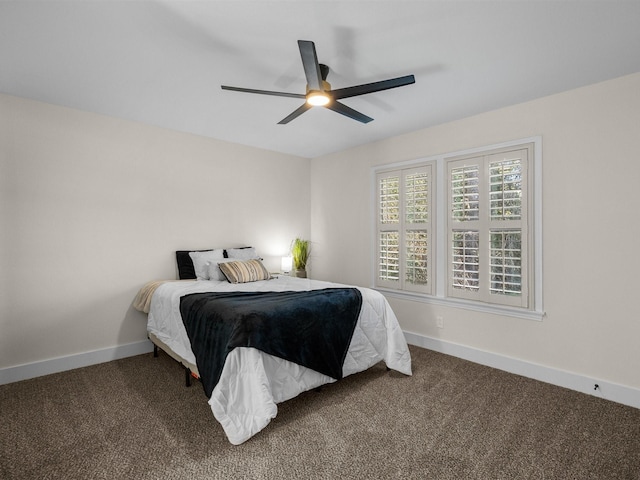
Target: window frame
point(439, 233)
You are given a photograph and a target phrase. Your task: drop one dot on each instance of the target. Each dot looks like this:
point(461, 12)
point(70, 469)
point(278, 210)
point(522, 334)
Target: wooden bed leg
point(155, 350)
point(187, 376)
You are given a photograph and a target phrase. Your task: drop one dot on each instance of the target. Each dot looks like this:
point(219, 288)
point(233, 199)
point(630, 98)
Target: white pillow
point(213, 270)
point(200, 260)
point(248, 253)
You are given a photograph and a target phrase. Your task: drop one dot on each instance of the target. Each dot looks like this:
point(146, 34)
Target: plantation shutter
point(487, 230)
point(417, 229)
point(404, 229)
point(388, 227)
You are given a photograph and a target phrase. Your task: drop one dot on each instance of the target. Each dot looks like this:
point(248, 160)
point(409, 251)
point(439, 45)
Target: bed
point(250, 382)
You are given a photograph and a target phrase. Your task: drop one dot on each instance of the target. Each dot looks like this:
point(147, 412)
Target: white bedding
point(252, 382)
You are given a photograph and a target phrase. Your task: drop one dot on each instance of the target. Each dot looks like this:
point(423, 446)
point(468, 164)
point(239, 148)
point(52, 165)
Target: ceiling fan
point(319, 92)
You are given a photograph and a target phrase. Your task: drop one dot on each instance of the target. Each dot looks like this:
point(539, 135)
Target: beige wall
point(591, 171)
point(93, 207)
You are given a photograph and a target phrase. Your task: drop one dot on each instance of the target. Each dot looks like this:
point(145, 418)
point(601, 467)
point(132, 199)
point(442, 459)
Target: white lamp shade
point(287, 263)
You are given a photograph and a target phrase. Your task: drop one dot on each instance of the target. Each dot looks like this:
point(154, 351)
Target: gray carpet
point(134, 418)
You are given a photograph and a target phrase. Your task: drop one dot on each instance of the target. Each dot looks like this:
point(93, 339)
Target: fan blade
point(310, 64)
point(264, 92)
point(372, 87)
point(295, 114)
point(348, 112)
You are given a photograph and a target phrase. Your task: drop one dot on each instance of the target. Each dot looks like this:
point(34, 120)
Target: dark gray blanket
point(311, 328)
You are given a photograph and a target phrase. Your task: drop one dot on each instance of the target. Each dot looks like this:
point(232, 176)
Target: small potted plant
point(300, 250)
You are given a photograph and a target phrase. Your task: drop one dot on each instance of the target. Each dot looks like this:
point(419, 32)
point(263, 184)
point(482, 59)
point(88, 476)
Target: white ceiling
point(162, 63)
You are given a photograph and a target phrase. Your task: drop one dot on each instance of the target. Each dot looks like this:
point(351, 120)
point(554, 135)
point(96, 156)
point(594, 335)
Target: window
point(486, 253)
point(404, 229)
point(487, 228)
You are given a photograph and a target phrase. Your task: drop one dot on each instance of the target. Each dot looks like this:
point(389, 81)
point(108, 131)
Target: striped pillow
point(244, 271)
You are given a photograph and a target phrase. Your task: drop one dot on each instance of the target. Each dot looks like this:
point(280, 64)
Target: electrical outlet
point(440, 321)
point(597, 390)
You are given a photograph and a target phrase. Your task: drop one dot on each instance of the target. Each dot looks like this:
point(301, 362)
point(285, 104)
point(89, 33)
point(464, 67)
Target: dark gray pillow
point(185, 264)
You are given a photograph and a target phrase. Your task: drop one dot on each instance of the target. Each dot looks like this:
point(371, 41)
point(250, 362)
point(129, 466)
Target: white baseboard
point(60, 364)
point(610, 391)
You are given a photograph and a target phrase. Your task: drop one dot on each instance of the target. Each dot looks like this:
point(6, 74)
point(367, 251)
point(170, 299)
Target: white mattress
point(252, 382)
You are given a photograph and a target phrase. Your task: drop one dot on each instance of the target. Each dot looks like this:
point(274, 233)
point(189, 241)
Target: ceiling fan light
point(318, 99)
